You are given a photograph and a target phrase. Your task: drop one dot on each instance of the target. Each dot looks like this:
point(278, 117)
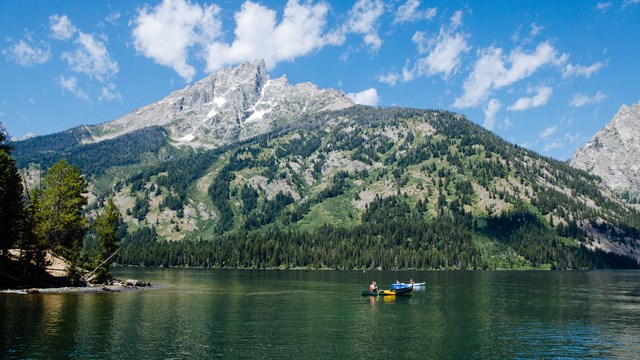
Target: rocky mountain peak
point(614, 152)
point(232, 104)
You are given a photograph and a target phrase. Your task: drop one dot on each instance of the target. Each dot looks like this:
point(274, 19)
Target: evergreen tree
point(11, 202)
point(106, 232)
point(61, 222)
point(33, 244)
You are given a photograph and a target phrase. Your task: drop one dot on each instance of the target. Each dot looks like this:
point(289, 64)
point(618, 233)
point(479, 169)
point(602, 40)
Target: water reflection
point(203, 314)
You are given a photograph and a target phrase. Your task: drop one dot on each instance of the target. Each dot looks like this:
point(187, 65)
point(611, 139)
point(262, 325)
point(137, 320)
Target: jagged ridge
point(230, 105)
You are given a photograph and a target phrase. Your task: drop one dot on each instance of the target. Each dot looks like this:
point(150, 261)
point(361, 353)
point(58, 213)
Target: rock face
point(229, 105)
point(614, 152)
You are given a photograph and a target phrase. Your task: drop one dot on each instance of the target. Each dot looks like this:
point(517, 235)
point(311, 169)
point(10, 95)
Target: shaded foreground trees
point(11, 206)
point(49, 218)
point(107, 241)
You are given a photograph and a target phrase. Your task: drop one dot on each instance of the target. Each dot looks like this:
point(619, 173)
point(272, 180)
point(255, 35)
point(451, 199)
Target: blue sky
point(546, 75)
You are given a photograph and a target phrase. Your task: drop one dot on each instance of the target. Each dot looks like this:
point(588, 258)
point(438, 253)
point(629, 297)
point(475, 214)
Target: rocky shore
point(115, 286)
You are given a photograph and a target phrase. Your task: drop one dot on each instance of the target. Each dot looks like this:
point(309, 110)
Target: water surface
point(205, 314)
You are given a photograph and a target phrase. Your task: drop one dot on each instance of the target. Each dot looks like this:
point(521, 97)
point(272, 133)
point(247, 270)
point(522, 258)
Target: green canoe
point(378, 293)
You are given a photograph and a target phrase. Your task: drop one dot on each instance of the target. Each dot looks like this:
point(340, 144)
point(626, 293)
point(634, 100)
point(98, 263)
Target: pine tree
point(61, 222)
point(11, 201)
point(106, 227)
point(33, 244)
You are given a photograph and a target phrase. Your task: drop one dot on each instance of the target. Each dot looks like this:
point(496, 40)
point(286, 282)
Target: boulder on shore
point(132, 282)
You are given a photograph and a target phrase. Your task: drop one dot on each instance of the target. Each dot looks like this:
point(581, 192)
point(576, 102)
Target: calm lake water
point(206, 314)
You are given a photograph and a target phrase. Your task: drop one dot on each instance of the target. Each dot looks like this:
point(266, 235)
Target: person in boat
point(411, 282)
point(373, 287)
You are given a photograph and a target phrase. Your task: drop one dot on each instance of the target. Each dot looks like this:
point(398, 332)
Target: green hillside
point(364, 188)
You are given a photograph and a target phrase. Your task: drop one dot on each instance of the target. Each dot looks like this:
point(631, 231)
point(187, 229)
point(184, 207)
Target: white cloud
point(488, 68)
point(363, 20)
point(70, 84)
point(91, 58)
point(27, 55)
point(490, 112)
point(604, 6)
point(257, 35)
point(389, 78)
point(494, 71)
point(109, 92)
point(548, 131)
point(28, 135)
point(113, 17)
point(555, 144)
point(580, 99)
point(444, 50)
point(524, 64)
point(580, 70)
point(61, 27)
point(456, 20)
point(409, 12)
point(165, 32)
point(573, 138)
point(365, 97)
point(542, 95)
point(535, 30)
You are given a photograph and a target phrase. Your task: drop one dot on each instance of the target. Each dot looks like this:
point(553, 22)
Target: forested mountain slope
point(367, 187)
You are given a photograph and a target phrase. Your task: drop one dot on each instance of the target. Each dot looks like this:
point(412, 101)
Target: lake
point(207, 314)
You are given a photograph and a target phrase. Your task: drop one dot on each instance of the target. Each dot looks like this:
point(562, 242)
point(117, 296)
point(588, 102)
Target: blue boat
point(402, 288)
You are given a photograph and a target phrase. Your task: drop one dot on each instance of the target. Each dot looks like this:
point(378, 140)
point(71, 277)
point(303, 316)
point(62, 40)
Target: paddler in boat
point(373, 287)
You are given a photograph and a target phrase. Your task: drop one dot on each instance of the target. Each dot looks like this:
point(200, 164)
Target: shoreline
point(116, 287)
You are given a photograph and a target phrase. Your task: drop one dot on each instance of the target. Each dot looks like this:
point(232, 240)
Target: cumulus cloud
point(171, 31)
point(580, 70)
point(443, 51)
point(490, 112)
point(444, 58)
point(409, 12)
point(27, 55)
point(61, 27)
point(363, 20)
point(258, 35)
point(365, 97)
point(165, 32)
point(493, 70)
point(91, 58)
point(580, 99)
point(393, 77)
point(542, 95)
point(70, 84)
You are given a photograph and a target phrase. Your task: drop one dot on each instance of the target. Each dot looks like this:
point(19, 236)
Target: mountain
point(230, 105)
point(295, 177)
point(614, 152)
point(367, 187)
